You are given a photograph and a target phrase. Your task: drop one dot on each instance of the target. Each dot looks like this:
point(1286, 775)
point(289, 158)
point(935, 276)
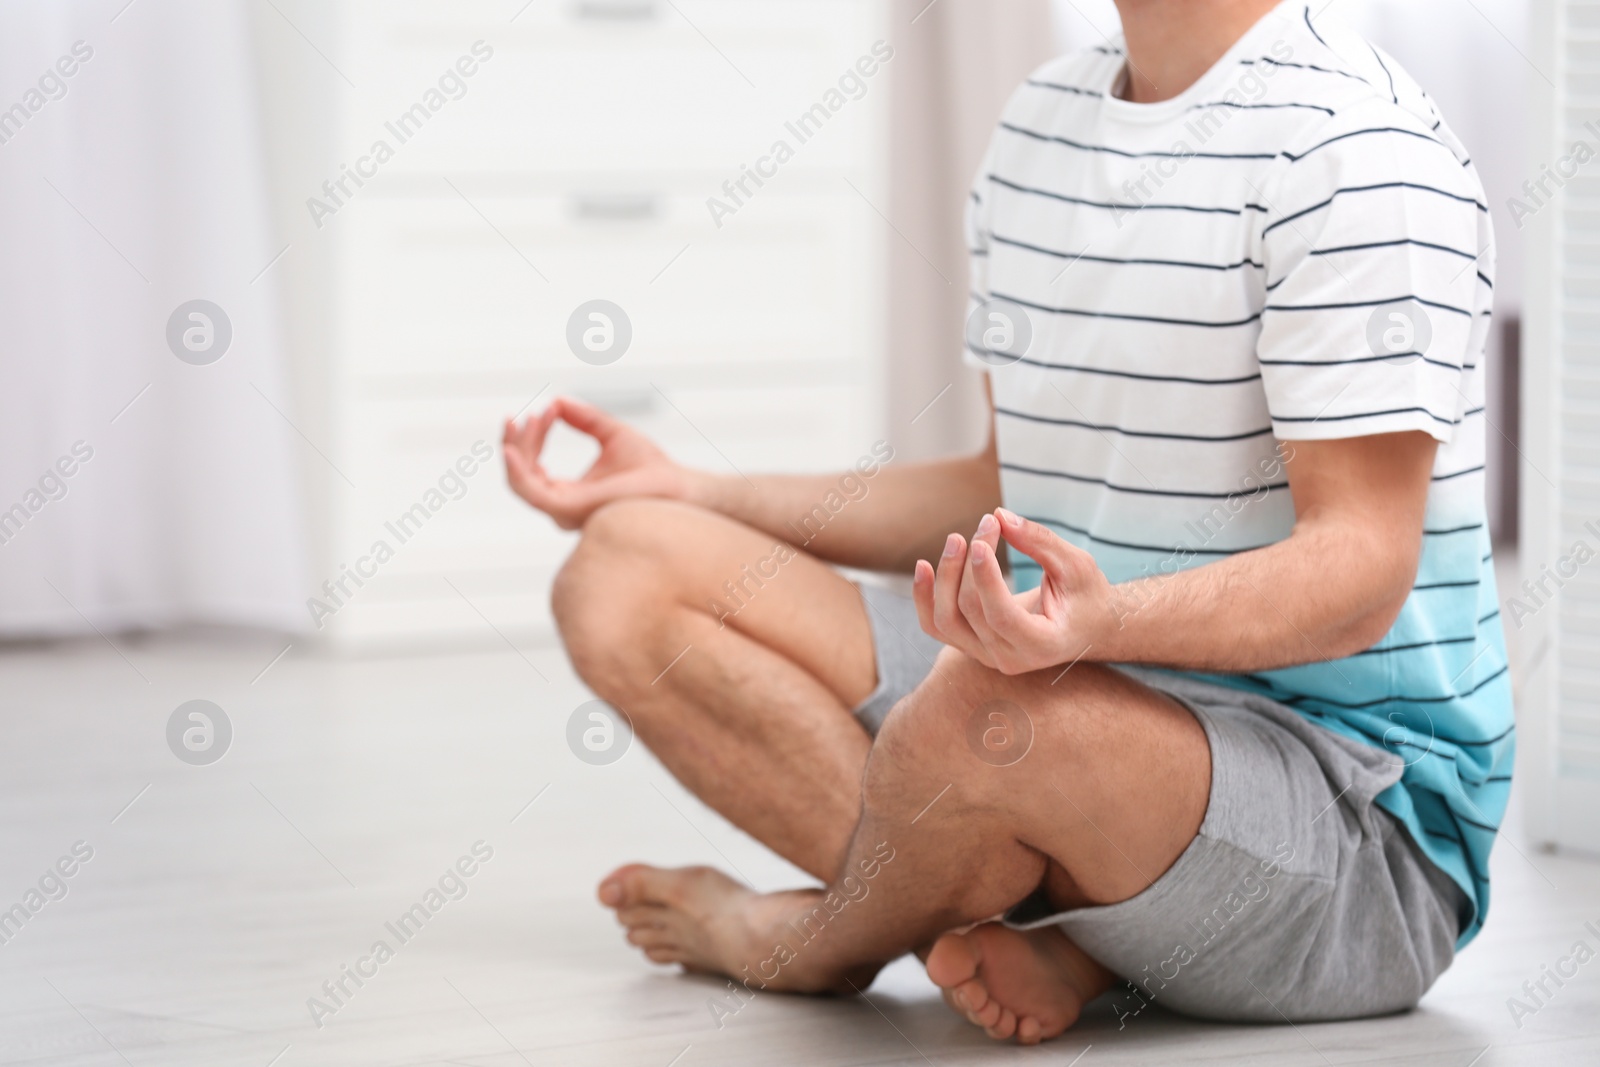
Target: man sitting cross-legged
point(1237, 730)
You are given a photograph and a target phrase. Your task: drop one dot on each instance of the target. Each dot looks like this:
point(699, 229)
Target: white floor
point(223, 896)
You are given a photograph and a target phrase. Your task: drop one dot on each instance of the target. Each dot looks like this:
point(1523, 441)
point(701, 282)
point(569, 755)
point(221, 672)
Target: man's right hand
point(629, 464)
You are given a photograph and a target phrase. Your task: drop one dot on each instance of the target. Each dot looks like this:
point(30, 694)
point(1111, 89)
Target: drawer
point(427, 285)
point(472, 532)
point(397, 451)
point(606, 85)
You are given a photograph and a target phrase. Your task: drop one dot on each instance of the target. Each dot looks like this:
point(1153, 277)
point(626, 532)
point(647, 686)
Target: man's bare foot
point(707, 922)
point(1024, 984)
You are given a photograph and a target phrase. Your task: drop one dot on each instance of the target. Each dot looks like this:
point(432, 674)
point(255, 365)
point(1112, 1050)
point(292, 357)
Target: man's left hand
point(966, 603)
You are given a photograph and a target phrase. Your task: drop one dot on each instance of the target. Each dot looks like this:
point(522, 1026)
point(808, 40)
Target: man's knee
point(971, 724)
point(601, 594)
point(925, 733)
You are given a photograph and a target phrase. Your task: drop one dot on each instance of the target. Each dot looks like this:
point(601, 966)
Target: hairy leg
point(1111, 791)
point(738, 665)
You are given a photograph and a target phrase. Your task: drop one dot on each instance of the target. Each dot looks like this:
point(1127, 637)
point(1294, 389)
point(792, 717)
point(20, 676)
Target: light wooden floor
point(223, 896)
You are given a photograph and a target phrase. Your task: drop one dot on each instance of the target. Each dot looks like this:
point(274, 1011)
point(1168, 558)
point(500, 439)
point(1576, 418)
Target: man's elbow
point(1375, 616)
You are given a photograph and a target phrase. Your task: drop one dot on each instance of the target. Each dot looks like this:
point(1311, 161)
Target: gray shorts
point(1299, 899)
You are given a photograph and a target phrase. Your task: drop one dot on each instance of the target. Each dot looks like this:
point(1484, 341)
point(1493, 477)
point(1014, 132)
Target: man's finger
point(922, 597)
point(567, 503)
point(923, 580)
point(947, 587)
point(988, 531)
point(1002, 616)
point(535, 430)
point(952, 627)
point(588, 418)
point(1059, 558)
point(987, 535)
point(527, 479)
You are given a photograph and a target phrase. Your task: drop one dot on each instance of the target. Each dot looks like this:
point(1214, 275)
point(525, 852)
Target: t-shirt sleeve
point(1379, 271)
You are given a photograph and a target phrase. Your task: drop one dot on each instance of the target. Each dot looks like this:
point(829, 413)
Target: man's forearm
point(1323, 593)
point(881, 521)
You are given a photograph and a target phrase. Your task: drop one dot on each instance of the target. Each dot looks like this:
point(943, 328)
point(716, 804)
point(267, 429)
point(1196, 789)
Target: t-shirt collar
point(1212, 83)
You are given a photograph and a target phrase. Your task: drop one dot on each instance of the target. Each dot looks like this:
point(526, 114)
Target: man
point(1241, 736)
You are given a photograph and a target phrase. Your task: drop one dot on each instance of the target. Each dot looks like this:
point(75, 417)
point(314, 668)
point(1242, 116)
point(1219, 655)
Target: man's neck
point(1171, 43)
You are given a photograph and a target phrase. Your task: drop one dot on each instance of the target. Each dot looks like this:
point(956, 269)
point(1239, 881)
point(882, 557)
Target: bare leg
point(752, 712)
point(1112, 791)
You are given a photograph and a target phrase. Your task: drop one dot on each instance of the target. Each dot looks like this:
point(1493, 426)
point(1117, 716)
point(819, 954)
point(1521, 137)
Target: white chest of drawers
point(531, 166)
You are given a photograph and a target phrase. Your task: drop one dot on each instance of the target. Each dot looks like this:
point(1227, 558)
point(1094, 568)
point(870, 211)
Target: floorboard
point(219, 898)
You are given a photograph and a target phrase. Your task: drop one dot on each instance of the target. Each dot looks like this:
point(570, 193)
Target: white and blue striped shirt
point(1294, 248)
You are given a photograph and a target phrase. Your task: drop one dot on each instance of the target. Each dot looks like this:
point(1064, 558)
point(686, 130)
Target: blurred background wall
point(960, 65)
point(367, 322)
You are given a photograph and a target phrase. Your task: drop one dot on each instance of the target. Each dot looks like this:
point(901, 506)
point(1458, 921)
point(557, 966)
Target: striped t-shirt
point(1166, 295)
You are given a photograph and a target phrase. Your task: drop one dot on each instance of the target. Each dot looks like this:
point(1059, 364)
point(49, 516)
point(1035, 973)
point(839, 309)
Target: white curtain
point(129, 187)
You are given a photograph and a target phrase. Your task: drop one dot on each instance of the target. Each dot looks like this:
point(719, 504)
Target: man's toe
point(1004, 1026)
point(623, 887)
point(651, 937)
point(665, 954)
point(642, 915)
point(952, 961)
point(973, 996)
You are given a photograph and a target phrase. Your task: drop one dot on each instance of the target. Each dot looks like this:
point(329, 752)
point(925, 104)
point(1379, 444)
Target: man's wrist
point(702, 489)
point(1113, 638)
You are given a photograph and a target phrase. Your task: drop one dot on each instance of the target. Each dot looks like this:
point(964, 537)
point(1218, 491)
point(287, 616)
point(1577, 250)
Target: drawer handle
point(623, 403)
point(599, 207)
point(615, 10)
